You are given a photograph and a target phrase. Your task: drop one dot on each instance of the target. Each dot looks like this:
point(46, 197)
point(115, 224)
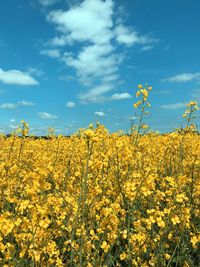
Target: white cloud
point(48, 116)
point(54, 53)
point(126, 36)
point(12, 120)
point(8, 106)
point(94, 61)
point(16, 77)
point(92, 25)
point(97, 59)
point(184, 77)
point(173, 106)
point(90, 21)
point(60, 41)
point(100, 113)
point(25, 103)
point(15, 105)
point(70, 104)
point(48, 2)
point(120, 96)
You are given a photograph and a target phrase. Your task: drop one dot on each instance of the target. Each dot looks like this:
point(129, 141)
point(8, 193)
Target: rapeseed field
point(102, 199)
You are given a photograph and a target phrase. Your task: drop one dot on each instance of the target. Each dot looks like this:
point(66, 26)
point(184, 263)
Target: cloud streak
point(173, 106)
point(25, 103)
point(183, 77)
point(15, 105)
point(120, 96)
point(47, 116)
point(8, 106)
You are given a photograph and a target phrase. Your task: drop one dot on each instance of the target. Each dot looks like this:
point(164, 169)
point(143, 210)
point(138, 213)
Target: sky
point(68, 63)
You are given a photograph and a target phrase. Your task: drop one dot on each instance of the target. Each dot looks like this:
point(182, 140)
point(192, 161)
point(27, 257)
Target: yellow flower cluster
point(189, 115)
point(97, 199)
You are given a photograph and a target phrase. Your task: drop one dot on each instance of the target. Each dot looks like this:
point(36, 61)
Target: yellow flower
point(144, 126)
point(77, 174)
point(194, 240)
point(105, 246)
point(123, 256)
point(191, 103)
point(180, 198)
point(175, 220)
point(160, 222)
point(138, 93)
point(124, 234)
point(136, 105)
point(89, 133)
point(167, 256)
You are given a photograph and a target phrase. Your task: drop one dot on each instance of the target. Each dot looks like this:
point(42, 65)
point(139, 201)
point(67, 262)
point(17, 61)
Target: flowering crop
point(100, 199)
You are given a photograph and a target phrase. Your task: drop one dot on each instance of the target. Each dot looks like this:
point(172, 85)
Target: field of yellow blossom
point(100, 199)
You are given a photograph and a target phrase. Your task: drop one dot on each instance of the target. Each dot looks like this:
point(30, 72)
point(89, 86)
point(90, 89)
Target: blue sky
point(67, 63)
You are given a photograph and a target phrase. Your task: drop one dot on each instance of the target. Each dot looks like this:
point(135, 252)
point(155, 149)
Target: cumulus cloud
point(70, 104)
point(16, 77)
point(92, 25)
point(94, 61)
point(60, 41)
point(100, 113)
point(47, 116)
point(76, 22)
point(173, 106)
point(120, 96)
point(184, 77)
